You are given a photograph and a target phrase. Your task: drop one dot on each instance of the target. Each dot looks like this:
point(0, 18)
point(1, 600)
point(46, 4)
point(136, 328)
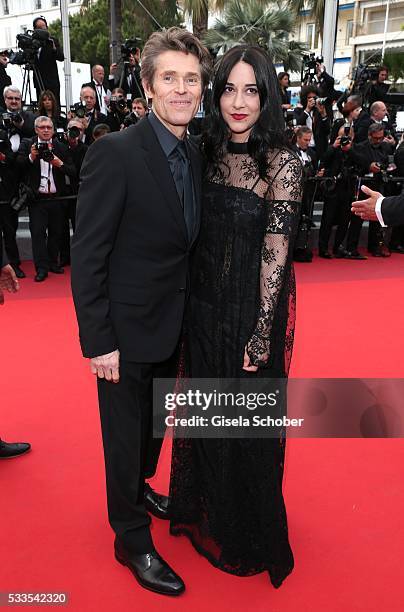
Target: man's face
point(13, 101)
point(40, 25)
point(98, 74)
point(176, 89)
point(303, 141)
point(376, 138)
point(3, 59)
point(382, 76)
point(380, 113)
point(139, 109)
point(311, 95)
point(44, 130)
point(88, 96)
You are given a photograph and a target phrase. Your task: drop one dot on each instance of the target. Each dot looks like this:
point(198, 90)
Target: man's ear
point(148, 89)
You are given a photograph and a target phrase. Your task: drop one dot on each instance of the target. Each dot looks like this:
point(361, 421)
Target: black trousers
point(375, 234)
point(69, 217)
point(336, 211)
point(8, 228)
point(130, 451)
point(45, 224)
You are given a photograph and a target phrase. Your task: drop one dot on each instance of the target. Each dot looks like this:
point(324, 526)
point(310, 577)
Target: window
point(6, 9)
point(310, 34)
point(37, 5)
point(376, 20)
point(55, 3)
point(349, 31)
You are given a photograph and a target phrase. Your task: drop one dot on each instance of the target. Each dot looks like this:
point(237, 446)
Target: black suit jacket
point(31, 171)
point(47, 67)
point(130, 252)
point(96, 118)
point(393, 210)
point(361, 126)
point(321, 128)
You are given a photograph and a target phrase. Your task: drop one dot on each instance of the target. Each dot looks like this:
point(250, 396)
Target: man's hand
point(56, 162)
point(2, 156)
point(337, 143)
point(311, 102)
point(321, 108)
point(8, 282)
point(113, 68)
point(389, 139)
point(106, 366)
point(366, 208)
point(34, 152)
point(374, 167)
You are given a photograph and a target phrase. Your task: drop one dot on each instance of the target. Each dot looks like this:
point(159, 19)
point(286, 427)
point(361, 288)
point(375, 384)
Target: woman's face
point(285, 81)
point(47, 103)
point(240, 102)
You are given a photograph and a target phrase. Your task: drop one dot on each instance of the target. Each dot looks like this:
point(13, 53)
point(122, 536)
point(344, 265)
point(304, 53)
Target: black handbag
point(25, 197)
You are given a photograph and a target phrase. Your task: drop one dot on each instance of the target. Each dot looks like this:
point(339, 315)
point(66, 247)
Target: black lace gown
point(226, 494)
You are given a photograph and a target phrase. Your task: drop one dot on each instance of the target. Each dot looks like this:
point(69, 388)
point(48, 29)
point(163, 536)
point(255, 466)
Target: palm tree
point(268, 26)
point(316, 7)
point(199, 9)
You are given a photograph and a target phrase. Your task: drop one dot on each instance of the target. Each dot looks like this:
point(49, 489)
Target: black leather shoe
point(156, 503)
point(18, 272)
point(150, 570)
point(8, 450)
point(397, 249)
point(325, 255)
point(40, 276)
point(355, 255)
point(56, 269)
point(340, 253)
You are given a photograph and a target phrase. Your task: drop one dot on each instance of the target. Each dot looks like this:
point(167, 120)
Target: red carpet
point(344, 497)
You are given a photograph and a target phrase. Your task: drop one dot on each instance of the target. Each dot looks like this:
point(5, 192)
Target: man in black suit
point(361, 121)
point(5, 78)
point(92, 117)
point(138, 216)
point(387, 211)
point(101, 90)
point(45, 62)
point(45, 162)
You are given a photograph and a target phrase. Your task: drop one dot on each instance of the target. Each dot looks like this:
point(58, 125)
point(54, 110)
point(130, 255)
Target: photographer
point(91, 116)
point(126, 74)
point(378, 114)
point(45, 60)
point(117, 110)
point(46, 162)
point(101, 90)
point(372, 159)
point(313, 114)
point(140, 108)
point(379, 88)
point(48, 107)
point(77, 150)
point(5, 79)
point(18, 123)
point(340, 167)
point(8, 216)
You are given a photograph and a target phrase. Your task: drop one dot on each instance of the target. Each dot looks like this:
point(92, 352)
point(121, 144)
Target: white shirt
point(303, 155)
point(99, 90)
point(47, 182)
point(378, 211)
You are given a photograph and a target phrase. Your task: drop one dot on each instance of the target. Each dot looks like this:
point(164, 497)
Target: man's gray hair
point(41, 119)
point(11, 89)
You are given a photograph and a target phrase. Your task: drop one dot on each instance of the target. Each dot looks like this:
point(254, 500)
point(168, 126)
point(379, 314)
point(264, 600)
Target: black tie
point(184, 185)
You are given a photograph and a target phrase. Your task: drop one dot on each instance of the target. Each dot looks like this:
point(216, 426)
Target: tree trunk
point(200, 24)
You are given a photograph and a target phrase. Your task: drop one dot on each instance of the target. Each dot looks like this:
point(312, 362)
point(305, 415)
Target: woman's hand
point(247, 364)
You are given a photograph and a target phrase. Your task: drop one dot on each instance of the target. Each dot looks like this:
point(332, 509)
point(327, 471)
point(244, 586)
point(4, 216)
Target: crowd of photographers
point(341, 151)
point(42, 150)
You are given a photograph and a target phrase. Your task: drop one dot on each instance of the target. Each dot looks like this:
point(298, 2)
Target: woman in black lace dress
point(226, 494)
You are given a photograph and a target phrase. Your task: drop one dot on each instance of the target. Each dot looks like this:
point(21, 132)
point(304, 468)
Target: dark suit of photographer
point(8, 216)
point(338, 164)
point(77, 150)
point(127, 76)
point(314, 115)
point(45, 62)
point(370, 157)
point(48, 180)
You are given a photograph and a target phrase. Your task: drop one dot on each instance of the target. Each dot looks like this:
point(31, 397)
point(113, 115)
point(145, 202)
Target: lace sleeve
point(285, 197)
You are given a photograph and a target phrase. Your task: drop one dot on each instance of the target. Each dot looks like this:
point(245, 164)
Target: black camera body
point(117, 104)
point(309, 67)
point(79, 109)
point(129, 48)
point(73, 132)
point(29, 44)
point(130, 119)
point(45, 151)
point(8, 119)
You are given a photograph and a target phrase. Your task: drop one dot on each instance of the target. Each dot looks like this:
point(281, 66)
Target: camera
point(117, 104)
point(290, 118)
point(44, 150)
point(29, 44)
point(130, 119)
point(8, 119)
point(79, 109)
point(60, 134)
point(129, 48)
point(73, 132)
point(309, 67)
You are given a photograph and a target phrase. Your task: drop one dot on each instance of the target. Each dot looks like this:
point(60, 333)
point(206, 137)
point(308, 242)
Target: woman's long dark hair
point(269, 130)
point(47, 93)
